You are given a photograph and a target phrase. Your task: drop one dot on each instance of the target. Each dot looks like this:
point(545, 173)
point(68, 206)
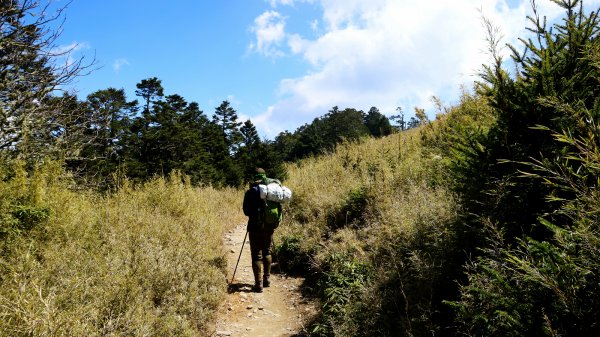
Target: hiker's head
point(259, 175)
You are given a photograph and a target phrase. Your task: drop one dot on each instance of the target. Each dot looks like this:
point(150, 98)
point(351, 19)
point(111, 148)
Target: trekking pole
point(238, 261)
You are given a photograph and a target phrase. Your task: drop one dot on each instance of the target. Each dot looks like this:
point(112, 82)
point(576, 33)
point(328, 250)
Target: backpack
point(273, 194)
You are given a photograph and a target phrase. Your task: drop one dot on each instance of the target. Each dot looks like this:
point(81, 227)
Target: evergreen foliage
point(555, 64)
point(377, 123)
point(333, 128)
point(529, 194)
point(30, 71)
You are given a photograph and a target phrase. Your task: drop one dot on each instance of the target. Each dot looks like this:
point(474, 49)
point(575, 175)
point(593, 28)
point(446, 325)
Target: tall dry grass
point(143, 261)
point(392, 174)
point(368, 223)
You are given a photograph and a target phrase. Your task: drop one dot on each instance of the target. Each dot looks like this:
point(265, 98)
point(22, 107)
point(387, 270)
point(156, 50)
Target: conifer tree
point(193, 145)
point(226, 118)
point(249, 135)
point(30, 72)
point(554, 63)
point(106, 122)
point(249, 154)
point(538, 272)
point(150, 90)
point(377, 123)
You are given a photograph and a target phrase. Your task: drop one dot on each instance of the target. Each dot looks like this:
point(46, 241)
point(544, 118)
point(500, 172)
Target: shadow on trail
point(239, 288)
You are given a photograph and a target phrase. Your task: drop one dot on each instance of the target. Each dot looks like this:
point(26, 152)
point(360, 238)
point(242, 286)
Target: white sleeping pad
point(287, 194)
point(263, 191)
point(275, 192)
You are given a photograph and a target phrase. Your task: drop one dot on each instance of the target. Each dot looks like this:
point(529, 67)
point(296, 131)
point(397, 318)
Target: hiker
point(259, 230)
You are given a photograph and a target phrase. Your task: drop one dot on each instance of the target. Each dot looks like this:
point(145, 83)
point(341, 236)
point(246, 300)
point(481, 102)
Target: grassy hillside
point(142, 261)
point(368, 224)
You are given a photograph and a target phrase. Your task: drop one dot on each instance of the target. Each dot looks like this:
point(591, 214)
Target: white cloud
point(119, 63)
point(70, 48)
point(384, 53)
point(65, 53)
point(269, 28)
point(274, 3)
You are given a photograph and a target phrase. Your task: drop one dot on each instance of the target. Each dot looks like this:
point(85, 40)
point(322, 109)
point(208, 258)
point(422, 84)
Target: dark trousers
point(260, 244)
point(260, 250)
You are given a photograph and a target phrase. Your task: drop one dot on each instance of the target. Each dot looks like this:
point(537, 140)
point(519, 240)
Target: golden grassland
point(368, 222)
point(392, 175)
point(141, 261)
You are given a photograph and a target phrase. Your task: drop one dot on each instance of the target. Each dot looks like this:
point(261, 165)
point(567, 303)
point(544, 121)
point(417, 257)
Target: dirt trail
point(279, 310)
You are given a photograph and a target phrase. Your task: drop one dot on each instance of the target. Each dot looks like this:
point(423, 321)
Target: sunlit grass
point(362, 216)
point(141, 261)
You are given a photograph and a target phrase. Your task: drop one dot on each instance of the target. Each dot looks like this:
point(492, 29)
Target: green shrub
point(546, 287)
point(291, 257)
point(352, 211)
point(341, 279)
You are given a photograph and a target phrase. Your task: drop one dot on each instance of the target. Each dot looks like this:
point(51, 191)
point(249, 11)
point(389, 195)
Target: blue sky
point(281, 63)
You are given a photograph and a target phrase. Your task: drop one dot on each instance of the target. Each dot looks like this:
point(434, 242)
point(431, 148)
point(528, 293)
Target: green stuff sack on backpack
point(272, 215)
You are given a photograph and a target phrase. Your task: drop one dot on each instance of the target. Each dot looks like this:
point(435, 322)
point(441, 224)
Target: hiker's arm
point(248, 204)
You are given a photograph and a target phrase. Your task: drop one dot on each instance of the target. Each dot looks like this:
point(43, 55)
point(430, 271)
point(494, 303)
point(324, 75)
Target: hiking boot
point(257, 288)
point(266, 282)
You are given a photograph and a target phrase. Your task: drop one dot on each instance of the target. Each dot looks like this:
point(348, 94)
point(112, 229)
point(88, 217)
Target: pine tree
point(554, 64)
point(226, 118)
point(538, 273)
point(150, 90)
point(347, 124)
point(377, 123)
point(248, 155)
point(193, 144)
point(249, 135)
point(106, 122)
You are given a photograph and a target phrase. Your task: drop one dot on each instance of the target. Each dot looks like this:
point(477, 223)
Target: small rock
point(249, 315)
point(232, 251)
point(223, 333)
point(249, 307)
point(261, 308)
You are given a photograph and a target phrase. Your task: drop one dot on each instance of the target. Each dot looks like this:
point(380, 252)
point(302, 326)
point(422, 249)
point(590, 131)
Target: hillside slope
point(367, 225)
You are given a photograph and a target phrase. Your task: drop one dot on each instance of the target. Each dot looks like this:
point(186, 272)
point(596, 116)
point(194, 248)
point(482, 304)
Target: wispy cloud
point(269, 29)
point(274, 3)
point(383, 53)
point(70, 48)
point(66, 53)
point(118, 64)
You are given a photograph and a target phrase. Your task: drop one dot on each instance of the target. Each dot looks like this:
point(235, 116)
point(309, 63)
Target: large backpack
point(273, 194)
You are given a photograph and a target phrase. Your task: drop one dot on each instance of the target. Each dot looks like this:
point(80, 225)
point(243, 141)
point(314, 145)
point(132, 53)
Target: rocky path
point(279, 310)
